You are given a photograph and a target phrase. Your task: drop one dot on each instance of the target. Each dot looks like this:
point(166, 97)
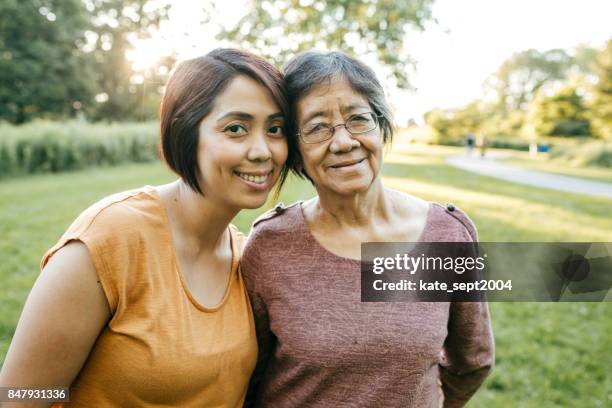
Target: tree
point(601, 106)
point(451, 125)
point(43, 71)
point(279, 29)
point(521, 76)
point(561, 114)
point(122, 92)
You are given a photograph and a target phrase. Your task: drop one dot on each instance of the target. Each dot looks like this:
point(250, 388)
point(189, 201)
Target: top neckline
point(306, 228)
point(177, 266)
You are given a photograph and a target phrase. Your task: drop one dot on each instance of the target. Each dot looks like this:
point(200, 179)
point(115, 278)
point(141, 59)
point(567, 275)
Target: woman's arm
point(468, 354)
point(62, 318)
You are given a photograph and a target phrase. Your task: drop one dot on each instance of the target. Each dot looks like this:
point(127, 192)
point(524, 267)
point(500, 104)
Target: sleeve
point(250, 265)
point(107, 236)
point(468, 354)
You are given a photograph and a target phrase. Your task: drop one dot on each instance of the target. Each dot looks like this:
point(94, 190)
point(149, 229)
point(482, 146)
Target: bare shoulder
point(73, 262)
point(62, 317)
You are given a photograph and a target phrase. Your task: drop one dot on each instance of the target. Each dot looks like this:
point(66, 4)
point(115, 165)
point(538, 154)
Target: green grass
point(548, 355)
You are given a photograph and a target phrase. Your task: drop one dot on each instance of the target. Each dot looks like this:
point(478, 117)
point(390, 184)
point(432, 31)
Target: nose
point(343, 141)
point(259, 150)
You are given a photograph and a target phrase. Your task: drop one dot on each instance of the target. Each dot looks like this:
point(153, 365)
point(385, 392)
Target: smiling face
point(345, 164)
point(241, 147)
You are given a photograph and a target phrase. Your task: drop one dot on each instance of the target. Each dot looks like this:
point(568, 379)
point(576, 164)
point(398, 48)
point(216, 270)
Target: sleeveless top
point(160, 346)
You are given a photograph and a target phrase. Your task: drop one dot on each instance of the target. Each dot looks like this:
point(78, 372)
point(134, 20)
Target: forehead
point(327, 97)
point(244, 94)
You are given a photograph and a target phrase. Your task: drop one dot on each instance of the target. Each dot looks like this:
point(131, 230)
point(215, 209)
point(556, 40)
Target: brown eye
point(276, 131)
point(235, 130)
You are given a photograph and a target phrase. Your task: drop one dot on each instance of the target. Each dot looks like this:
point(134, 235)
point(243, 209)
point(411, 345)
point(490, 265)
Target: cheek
point(374, 146)
point(280, 151)
point(216, 160)
point(309, 164)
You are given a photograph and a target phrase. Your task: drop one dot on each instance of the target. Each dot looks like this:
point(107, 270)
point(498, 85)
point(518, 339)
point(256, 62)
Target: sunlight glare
point(146, 54)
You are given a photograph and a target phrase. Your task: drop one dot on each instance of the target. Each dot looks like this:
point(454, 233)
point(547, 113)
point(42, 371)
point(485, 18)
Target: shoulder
point(449, 223)
point(238, 238)
point(113, 222)
point(282, 218)
point(272, 231)
point(122, 213)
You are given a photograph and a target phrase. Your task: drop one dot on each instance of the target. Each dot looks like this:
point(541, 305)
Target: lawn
point(548, 355)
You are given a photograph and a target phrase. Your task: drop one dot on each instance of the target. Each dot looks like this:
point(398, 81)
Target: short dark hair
point(190, 95)
point(312, 68)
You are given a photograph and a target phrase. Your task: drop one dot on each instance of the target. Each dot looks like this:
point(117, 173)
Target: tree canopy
point(279, 29)
point(43, 71)
point(601, 105)
point(520, 77)
point(57, 55)
point(125, 93)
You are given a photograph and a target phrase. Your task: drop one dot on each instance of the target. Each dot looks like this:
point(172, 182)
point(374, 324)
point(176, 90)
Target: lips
point(347, 163)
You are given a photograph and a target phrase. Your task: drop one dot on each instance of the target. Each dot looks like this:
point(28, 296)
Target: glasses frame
point(332, 129)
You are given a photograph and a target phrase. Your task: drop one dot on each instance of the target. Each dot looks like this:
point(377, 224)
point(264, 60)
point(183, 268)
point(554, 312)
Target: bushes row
point(43, 147)
point(495, 142)
point(596, 153)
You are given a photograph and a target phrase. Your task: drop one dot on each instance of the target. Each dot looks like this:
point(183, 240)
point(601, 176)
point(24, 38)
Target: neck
point(198, 223)
point(354, 210)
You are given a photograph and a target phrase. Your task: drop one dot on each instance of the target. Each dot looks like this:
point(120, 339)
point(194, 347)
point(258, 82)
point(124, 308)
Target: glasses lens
point(361, 123)
point(316, 133)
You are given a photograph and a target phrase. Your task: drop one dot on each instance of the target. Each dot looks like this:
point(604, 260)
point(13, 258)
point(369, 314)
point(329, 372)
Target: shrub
point(596, 153)
point(49, 147)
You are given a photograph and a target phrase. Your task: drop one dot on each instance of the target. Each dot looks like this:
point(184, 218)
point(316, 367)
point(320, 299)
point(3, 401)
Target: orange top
point(160, 347)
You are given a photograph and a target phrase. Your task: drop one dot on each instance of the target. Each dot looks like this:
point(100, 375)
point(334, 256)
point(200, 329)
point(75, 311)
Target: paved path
point(489, 167)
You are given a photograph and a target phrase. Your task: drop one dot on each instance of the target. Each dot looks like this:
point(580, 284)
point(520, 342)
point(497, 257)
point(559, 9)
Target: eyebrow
point(314, 115)
point(277, 115)
point(344, 109)
point(248, 116)
point(354, 106)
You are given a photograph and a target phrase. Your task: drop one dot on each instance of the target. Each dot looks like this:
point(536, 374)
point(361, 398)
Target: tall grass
point(50, 147)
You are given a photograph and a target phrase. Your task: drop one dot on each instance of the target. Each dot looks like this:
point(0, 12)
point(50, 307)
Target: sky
point(454, 57)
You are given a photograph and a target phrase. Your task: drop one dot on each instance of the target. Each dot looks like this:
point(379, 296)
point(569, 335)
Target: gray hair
point(312, 68)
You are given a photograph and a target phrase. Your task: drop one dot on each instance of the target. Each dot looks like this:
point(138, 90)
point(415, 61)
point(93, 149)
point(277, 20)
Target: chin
point(352, 188)
point(252, 203)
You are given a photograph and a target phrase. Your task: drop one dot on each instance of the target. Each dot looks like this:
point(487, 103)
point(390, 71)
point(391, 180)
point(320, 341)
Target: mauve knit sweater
point(320, 346)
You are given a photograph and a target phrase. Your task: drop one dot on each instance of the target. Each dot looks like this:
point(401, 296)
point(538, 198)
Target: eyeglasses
point(320, 132)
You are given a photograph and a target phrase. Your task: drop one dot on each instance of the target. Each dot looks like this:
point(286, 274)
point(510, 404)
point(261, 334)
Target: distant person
point(470, 141)
point(141, 303)
point(482, 144)
point(319, 345)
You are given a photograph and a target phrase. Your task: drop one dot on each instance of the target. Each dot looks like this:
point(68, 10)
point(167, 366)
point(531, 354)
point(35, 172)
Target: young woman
point(140, 303)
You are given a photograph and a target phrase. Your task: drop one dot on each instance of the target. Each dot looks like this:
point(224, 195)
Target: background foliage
point(279, 29)
point(51, 147)
point(535, 97)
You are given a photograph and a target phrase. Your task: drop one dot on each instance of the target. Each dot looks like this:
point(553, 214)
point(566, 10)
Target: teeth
point(253, 179)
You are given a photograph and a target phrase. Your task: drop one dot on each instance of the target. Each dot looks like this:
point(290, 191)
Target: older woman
point(319, 345)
